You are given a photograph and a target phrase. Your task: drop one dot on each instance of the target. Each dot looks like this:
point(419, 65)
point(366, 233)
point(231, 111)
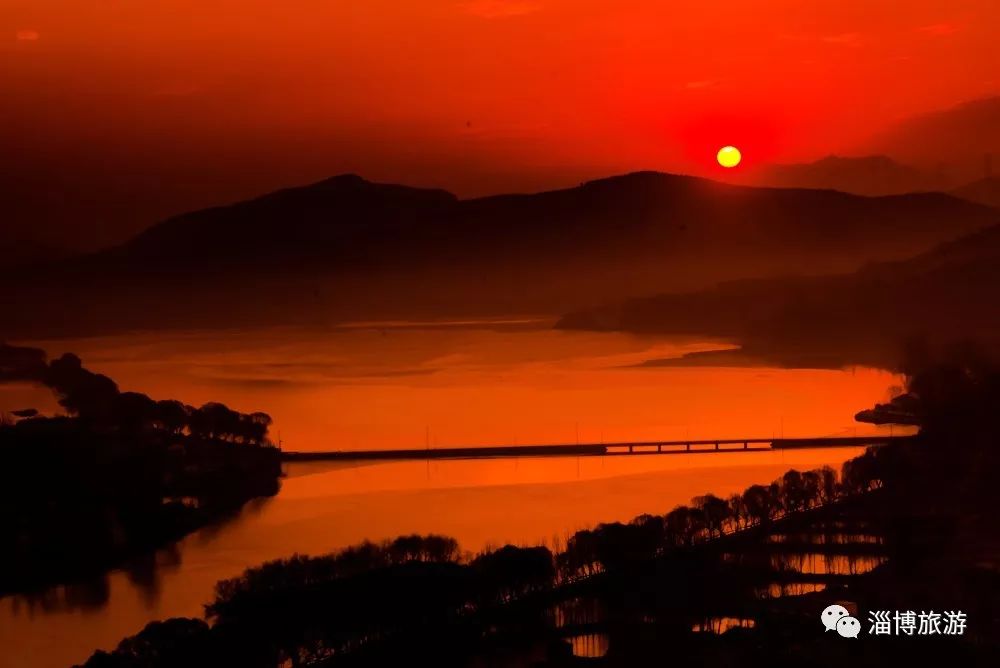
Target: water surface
point(387, 385)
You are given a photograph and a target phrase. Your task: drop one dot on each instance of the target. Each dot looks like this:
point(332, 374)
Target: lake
point(389, 385)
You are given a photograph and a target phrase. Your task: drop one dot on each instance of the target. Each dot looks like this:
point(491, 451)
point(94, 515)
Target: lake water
point(385, 385)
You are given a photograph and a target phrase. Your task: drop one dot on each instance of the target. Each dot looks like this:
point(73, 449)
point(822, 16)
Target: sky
point(118, 113)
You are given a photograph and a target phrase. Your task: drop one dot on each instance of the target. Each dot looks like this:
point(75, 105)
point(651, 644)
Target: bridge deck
point(598, 449)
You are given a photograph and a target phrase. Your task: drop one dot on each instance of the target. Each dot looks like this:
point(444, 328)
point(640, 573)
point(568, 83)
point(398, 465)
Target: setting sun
point(729, 156)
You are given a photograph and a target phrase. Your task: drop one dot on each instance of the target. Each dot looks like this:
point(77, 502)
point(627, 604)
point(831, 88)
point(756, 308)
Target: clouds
point(27, 35)
point(848, 39)
point(939, 29)
point(853, 39)
point(497, 9)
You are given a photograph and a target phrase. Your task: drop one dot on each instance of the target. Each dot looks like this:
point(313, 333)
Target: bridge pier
point(630, 449)
point(746, 445)
point(688, 446)
point(659, 447)
point(716, 445)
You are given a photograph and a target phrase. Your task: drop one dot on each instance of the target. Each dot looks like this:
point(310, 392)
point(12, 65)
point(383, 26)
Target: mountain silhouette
point(349, 248)
point(951, 143)
point(866, 175)
point(943, 297)
point(984, 191)
point(298, 221)
point(347, 220)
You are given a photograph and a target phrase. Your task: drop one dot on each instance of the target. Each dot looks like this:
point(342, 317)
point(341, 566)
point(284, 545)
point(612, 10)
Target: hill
point(875, 316)
point(951, 142)
point(347, 248)
point(984, 191)
point(867, 175)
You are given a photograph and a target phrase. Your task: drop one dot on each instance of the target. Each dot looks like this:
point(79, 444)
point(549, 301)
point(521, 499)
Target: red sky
point(137, 109)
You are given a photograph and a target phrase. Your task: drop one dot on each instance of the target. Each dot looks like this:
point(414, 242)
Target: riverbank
point(116, 474)
point(85, 502)
point(323, 507)
point(894, 517)
point(334, 388)
point(646, 587)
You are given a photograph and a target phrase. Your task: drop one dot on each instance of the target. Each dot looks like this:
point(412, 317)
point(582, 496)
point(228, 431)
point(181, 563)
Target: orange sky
point(161, 105)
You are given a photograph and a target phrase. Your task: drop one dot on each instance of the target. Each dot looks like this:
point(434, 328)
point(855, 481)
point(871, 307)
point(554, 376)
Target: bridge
point(687, 447)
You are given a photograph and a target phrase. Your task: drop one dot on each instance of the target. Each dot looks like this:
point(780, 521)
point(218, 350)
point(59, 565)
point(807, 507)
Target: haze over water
point(511, 381)
point(387, 385)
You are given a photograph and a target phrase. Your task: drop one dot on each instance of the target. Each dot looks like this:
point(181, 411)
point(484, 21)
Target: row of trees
point(117, 477)
point(265, 596)
point(614, 545)
point(300, 571)
point(213, 421)
point(501, 574)
point(96, 400)
point(302, 609)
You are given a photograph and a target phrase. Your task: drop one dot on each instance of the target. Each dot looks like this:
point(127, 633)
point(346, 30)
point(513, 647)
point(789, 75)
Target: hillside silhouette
point(870, 175)
point(942, 297)
point(984, 191)
point(347, 248)
point(951, 142)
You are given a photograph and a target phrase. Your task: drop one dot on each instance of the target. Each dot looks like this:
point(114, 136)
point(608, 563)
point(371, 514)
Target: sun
point(729, 156)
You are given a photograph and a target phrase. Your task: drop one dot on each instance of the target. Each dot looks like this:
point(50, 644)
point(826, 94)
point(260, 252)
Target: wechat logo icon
point(832, 615)
point(837, 618)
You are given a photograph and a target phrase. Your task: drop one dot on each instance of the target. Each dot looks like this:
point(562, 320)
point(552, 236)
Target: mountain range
point(874, 316)
point(984, 191)
point(348, 248)
point(957, 143)
point(871, 175)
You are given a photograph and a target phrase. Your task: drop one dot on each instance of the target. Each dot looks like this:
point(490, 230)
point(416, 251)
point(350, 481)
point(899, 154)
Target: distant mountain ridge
point(984, 191)
point(954, 142)
point(638, 207)
point(945, 296)
point(871, 175)
point(323, 212)
point(350, 248)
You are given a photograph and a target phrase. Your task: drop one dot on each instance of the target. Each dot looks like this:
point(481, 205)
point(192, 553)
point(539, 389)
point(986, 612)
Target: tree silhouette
point(715, 511)
point(760, 503)
point(683, 525)
point(512, 572)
